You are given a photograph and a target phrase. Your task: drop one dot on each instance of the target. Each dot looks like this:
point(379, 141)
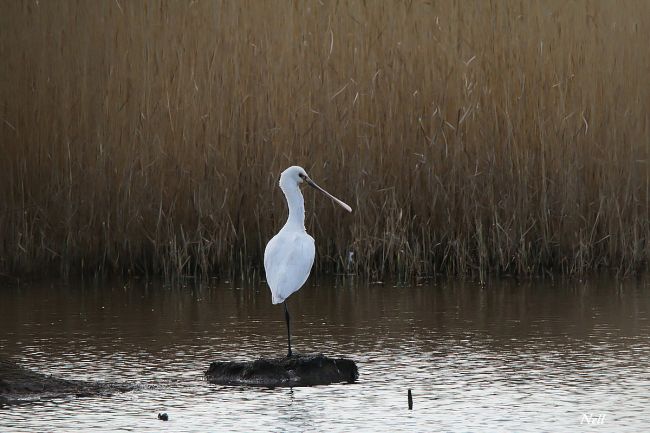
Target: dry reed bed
point(470, 137)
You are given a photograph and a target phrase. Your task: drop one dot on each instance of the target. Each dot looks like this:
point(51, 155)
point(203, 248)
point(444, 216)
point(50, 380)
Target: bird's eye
point(302, 176)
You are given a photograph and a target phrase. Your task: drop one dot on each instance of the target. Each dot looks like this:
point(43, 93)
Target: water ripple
point(508, 358)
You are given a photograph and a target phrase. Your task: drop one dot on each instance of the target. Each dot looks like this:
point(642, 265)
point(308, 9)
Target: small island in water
point(297, 370)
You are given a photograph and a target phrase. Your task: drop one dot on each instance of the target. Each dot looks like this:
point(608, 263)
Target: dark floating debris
point(297, 370)
point(410, 400)
point(163, 416)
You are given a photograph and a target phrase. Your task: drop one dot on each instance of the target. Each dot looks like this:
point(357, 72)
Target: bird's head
point(293, 176)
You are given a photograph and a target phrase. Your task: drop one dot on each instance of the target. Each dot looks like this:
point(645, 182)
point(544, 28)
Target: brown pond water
point(533, 356)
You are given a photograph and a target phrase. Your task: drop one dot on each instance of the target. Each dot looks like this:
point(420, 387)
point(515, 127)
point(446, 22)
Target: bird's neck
point(296, 207)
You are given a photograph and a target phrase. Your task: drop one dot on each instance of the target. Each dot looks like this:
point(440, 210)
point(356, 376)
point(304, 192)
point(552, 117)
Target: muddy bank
point(18, 384)
point(299, 370)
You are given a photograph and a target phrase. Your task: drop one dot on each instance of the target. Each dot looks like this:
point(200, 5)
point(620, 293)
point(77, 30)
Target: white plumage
point(289, 255)
point(287, 269)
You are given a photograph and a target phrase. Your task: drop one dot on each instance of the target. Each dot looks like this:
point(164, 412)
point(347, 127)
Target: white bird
point(289, 255)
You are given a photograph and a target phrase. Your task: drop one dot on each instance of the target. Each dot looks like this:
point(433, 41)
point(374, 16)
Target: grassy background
point(469, 137)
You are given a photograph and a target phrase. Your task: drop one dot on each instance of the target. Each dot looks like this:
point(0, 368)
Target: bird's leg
point(288, 319)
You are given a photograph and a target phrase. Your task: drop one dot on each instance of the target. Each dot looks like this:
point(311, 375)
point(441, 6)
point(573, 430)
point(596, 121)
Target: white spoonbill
point(289, 255)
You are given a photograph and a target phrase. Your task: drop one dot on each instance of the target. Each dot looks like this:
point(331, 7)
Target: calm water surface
point(507, 356)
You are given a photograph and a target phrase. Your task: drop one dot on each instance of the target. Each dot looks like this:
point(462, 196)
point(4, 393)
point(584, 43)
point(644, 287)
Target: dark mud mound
point(298, 370)
point(18, 384)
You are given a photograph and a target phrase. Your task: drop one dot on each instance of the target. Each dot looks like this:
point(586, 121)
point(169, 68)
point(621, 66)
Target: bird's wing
point(288, 259)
